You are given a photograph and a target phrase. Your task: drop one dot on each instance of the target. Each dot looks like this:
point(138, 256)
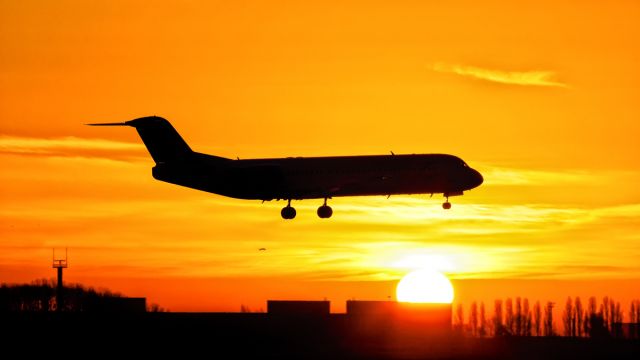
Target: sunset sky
point(542, 97)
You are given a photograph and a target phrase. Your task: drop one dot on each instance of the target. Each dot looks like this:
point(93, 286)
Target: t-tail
point(161, 139)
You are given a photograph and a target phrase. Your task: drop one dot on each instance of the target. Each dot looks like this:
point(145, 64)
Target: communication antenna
point(60, 264)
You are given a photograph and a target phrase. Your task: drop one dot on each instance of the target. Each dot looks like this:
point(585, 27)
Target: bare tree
point(567, 318)
point(526, 313)
point(617, 320)
point(604, 311)
point(518, 317)
point(153, 307)
point(40, 296)
point(634, 317)
point(548, 319)
point(498, 328)
point(459, 320)
point(537, 317)
point(482, 332)
point(590, 315)
point(593, 305)
point(578, 316)
point(612, 314)
point(508, 320)
point(473, 318)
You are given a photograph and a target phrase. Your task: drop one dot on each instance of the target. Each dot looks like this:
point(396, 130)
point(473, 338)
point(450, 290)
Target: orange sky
point(540, 96)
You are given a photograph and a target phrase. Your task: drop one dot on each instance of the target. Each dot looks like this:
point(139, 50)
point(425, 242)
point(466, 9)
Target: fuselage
point(322, 177)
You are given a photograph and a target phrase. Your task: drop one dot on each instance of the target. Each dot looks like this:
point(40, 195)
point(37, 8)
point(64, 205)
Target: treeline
point(518, 318)
point(40, 296)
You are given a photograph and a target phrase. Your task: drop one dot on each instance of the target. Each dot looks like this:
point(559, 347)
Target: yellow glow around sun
point(425, 286)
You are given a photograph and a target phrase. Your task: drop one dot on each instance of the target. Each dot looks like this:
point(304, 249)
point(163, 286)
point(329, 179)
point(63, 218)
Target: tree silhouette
point(537, 318)
point(568, 319)
point(611, 314)
point(579, 317)
point(617, 320)
point(604, 311)
point(517, 328)
point(482, 332)
point(526, 318)
point(459, 319)
point(508, 320)
point(473, 319)
point(521, 320)
point(498, 328)
point(590, 314)
point(39, 296)
point(548, 319)
point(153, 307)
point(634, 318)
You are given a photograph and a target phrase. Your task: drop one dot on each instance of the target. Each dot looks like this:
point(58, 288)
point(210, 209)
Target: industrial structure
point(60, 264)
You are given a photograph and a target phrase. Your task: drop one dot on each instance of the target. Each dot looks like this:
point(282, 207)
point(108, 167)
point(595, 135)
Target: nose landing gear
point(446, 205)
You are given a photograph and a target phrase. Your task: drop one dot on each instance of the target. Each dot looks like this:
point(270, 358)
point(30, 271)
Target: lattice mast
point(60, 264)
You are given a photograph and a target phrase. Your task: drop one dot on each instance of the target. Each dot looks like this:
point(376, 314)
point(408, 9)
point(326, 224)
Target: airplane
point(298, 178)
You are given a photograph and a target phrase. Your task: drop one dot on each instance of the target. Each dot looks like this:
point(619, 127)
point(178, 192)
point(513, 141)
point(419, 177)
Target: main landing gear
point(325, 211)
point(288, 212)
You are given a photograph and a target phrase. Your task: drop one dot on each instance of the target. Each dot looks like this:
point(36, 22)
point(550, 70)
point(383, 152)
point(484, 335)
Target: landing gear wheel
point(446, 205)
point(288, 212)
point(325, 212)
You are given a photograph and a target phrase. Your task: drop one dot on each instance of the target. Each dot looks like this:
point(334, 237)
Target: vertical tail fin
point(161, 139)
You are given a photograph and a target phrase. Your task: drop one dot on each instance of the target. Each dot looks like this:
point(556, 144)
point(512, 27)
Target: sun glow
point(425, 286)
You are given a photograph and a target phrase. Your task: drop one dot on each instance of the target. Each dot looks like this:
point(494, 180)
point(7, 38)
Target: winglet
point(109, 124)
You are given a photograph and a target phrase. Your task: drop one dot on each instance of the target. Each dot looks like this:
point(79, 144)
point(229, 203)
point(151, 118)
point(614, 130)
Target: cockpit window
point(458, 161)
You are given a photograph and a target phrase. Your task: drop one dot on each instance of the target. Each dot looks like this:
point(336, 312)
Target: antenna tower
point(60, 264)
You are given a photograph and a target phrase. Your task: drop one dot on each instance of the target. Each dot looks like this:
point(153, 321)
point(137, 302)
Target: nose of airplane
point(475, 178)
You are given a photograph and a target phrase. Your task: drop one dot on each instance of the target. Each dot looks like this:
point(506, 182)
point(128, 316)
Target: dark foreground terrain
point(262, 336)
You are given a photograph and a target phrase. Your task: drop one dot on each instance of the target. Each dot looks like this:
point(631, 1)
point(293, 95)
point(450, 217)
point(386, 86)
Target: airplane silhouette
point(297, 178)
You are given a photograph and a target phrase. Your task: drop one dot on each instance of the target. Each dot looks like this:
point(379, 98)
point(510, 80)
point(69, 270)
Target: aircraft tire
point(325, 212)
point(288, 213)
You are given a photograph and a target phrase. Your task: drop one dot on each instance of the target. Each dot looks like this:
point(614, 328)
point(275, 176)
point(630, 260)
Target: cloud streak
point(521, 78)
point(68, 146)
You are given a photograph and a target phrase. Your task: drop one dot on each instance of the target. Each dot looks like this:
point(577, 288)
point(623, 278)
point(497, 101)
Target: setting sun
point(425, 286)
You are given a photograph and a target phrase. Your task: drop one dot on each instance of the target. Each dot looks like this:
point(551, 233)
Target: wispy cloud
point(497, 175)
point(522, 78)
point(66, 146)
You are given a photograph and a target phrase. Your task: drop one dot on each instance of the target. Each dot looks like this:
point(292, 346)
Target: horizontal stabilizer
point(108, 124)
point(158, 135)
